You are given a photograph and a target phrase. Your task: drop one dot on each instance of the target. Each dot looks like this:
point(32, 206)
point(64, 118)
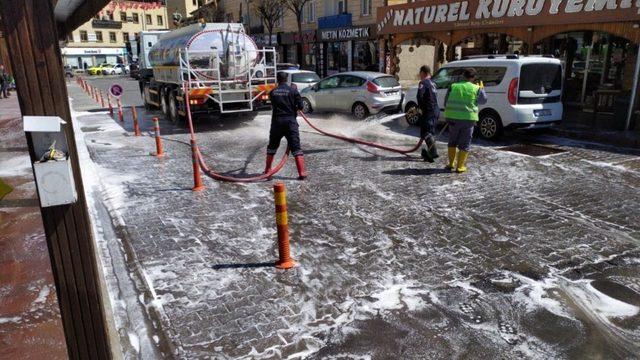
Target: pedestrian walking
point(286, 102)
point(429, 113)
point(461, 113)
point(4, 83)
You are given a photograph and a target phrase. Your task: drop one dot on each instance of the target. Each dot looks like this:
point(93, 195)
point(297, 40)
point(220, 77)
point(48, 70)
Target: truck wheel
point(173, 108)
point(146, 96)
point(164, 106)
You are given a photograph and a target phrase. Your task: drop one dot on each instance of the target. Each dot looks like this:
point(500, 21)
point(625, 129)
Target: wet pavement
point(30, 325)
point(521, 257)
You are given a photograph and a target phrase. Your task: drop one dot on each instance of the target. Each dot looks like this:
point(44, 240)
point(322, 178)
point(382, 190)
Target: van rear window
point(540, 78)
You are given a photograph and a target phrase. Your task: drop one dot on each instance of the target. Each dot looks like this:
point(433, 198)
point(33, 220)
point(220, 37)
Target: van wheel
point(306, 106)
point(360, 111)
point(490, 125)
point(411, 114)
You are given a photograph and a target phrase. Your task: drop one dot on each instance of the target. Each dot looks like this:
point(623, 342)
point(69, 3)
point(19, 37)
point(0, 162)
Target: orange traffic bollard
point(197, 180)
point(110, 106)
point(101, 99)
point(120, 113)
point(156, 129)
point(282, 222)
point(136, 126)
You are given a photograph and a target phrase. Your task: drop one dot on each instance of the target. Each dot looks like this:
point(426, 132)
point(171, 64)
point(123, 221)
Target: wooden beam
point(30, 31)
point(80, 16)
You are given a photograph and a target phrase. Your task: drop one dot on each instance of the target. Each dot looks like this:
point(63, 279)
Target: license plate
point(544, 112)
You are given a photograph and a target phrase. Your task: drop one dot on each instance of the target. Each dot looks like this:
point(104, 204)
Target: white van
point(522, 91)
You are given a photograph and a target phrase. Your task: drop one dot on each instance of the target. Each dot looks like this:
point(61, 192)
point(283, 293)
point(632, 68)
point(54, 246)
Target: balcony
point(334, 21)
point(106, 24)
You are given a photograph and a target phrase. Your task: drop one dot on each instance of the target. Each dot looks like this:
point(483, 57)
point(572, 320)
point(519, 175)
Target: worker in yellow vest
point(461, 113)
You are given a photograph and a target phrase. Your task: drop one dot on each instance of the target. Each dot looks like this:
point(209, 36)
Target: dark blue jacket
point(285, 101)
point(428, 98)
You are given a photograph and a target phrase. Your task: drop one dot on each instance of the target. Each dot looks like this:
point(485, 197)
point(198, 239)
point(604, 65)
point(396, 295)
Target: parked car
point(358, 92)
point(97, 70)
point(287, 66)
point(301, 79)
point(523, 92)
point(117, 69)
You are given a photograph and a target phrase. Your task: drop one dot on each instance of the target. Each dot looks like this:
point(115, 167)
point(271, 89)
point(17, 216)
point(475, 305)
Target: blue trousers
point(284, 127)
point(460, 133)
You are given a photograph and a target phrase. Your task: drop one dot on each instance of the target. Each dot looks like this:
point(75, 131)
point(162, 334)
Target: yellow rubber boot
point(452, 158)
point(462, 161)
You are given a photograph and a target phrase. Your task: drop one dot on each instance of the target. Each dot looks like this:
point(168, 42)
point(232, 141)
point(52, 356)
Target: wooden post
point(31, 36)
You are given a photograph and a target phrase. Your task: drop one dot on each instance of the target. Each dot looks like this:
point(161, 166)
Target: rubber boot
point(431, 145)
point(452, 159)
point(462, 161)
point(267, 166)
point(302, 173)
point(426, 152)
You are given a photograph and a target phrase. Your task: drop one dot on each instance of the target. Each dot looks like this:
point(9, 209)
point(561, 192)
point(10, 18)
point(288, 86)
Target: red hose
point(218, 176)
point(361, 142)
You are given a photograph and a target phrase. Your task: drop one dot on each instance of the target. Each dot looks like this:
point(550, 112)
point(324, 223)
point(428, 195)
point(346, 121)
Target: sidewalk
point(30, 325)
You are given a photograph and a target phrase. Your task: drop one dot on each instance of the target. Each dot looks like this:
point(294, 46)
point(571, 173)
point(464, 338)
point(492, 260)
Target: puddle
point(532, 150)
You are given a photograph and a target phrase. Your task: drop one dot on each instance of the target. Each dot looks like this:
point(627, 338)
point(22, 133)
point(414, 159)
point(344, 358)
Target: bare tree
point(297, 7)
point(270, 12)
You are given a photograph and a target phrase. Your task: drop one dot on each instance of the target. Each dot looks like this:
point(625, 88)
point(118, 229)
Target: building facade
point(105, 38)
point(337, 35)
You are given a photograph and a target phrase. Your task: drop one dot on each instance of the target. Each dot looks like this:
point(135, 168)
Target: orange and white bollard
point(197, 180)
point(120, 113)
point(110, 106)
point(156, 128)
point(136, 126)
point(101, 99)
point(282, 223)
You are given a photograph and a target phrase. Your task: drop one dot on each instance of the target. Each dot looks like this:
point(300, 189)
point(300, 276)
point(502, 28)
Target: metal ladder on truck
point(236, 93)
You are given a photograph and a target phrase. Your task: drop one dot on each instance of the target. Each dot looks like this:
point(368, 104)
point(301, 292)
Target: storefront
point(80, 58)
point(287, 51)
point(348, 49)
point(596, 40)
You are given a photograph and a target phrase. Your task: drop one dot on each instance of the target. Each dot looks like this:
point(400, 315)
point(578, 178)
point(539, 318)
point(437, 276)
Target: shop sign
point(449, 15)
point(295, 38)
point(69, 51)
point(352, 33)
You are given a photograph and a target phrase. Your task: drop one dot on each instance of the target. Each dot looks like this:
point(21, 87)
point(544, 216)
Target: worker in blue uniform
point(429, 112)
point(286, 102)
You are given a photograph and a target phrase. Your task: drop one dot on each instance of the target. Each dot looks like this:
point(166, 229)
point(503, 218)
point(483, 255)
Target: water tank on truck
point(222, 67)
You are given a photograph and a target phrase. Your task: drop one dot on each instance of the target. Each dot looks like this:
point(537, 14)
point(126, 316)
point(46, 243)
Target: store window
point(84, 37)
point(99, 37)
point(291, 54)
point(148, 20)
point(365, 7)
point(123, 16)
point(309, 51)
point(160, 20)
point(125, 37)
point(112, 37)
point(135, 18)
point(337, 57)
point(365, 56)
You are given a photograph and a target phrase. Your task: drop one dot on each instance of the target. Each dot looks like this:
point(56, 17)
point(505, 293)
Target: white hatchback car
point(522, 91)
point(302, 79)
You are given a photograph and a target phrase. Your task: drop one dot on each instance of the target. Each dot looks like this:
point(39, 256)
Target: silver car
point(359, 92)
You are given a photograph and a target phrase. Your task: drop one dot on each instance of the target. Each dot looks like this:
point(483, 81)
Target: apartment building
point(104, 38)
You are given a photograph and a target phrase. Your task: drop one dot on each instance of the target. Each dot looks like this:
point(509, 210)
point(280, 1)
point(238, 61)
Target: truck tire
point(145, 96)
point(164, 104)
point(174, 106)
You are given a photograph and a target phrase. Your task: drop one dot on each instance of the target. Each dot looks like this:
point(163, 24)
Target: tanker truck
point(217, 63)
